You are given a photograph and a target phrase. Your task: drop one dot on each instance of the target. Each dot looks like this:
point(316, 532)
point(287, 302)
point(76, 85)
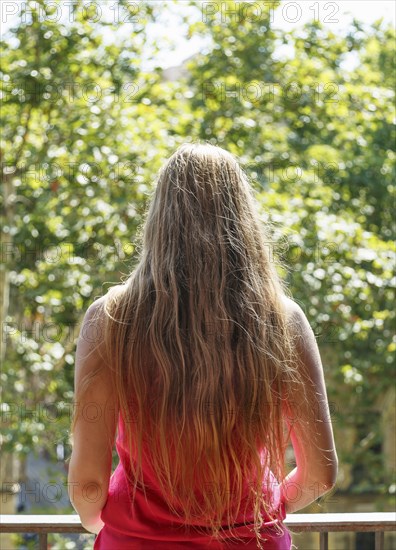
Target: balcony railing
point(297, 523)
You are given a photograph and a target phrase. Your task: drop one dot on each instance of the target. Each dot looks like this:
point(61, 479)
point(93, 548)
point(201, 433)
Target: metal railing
point(297, 523)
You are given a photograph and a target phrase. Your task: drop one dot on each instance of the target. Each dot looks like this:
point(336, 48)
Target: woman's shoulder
point(297, 320)
point(98, 303)
point(93, 320)
point(292, 308)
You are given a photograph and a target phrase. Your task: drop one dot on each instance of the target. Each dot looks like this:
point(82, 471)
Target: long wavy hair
point(201, 350)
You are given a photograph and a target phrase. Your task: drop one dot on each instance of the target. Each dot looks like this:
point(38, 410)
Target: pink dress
point(150, 524)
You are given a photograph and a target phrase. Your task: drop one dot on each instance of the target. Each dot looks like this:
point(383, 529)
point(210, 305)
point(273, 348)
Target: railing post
point(43, 543)
point(324, 541)
point(379, 540)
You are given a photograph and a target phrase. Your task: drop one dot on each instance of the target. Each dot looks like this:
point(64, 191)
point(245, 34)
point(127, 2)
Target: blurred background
point(95, 96)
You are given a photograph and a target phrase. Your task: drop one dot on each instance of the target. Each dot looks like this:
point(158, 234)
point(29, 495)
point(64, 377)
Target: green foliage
point(56, 541)
point(85, 129)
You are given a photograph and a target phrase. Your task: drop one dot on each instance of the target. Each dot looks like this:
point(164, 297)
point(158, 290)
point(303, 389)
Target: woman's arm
point(309, 420)
point(96, 413)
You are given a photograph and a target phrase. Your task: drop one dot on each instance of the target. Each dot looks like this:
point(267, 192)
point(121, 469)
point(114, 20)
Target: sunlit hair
point(200, 346)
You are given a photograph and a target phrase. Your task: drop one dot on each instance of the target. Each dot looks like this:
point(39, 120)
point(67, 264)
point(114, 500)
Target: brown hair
point(199, 342)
